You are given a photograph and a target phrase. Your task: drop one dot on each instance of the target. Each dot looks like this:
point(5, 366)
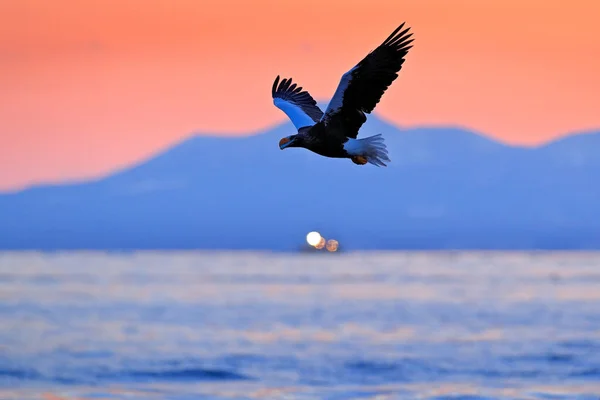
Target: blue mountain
point(446, 188)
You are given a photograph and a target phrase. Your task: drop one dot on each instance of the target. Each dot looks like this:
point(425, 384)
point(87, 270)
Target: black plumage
point(334, 132)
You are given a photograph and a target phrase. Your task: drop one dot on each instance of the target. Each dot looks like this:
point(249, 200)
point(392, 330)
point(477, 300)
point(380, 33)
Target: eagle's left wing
point(298, 104)
point(361, 88)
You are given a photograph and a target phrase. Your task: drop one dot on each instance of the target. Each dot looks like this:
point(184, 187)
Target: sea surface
point(242, 325)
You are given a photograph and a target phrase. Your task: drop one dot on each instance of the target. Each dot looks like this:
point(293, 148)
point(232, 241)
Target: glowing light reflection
point(332, 245)
point(321, 243)
point(313, 238)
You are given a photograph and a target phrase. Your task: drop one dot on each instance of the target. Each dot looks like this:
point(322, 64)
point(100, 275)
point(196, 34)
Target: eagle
point(333, 133)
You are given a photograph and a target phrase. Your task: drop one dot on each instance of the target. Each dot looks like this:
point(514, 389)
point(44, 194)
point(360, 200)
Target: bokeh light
point(313, 238)
point(332, 245)
point(321, 243)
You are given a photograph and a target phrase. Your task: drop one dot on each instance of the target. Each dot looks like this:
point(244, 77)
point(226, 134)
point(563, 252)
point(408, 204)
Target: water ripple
point(250, 326)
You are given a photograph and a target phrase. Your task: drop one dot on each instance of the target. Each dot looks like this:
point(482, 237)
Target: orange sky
point(87, 86)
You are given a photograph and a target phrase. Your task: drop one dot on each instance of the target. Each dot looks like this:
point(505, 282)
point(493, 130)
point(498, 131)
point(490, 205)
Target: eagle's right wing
point(296, 103)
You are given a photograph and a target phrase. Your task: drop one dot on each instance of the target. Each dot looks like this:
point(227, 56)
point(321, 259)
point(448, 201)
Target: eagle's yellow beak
point(283, 142)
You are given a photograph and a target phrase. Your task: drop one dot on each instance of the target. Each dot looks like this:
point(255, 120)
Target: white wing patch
point(338, 97)
point(298, 117)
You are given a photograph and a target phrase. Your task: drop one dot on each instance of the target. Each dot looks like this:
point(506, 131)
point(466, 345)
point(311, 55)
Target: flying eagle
point(333, 133)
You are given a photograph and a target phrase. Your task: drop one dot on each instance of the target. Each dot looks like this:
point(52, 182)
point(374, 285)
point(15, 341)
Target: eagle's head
point(289, 141)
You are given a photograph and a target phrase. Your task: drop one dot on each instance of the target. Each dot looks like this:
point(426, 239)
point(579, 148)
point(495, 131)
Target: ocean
point(246, 325)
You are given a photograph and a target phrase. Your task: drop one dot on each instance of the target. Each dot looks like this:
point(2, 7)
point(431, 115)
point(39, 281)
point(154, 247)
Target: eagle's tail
point(372, 148)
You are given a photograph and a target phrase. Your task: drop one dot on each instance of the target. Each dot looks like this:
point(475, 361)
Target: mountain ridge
point(281, 129)
point(445, 188)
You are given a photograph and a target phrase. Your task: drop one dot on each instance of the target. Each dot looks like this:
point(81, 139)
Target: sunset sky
point(87, 86)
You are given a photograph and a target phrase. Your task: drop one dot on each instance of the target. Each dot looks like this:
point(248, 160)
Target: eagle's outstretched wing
point(298, 104)
point(361, 88)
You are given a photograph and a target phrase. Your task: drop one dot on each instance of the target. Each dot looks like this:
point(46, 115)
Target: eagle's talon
point(359, 160)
